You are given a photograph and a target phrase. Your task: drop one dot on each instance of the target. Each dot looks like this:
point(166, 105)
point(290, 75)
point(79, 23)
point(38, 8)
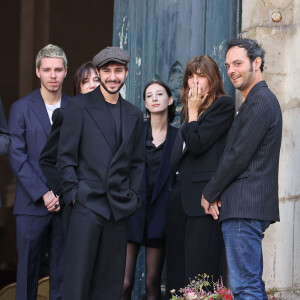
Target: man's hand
point(212, 209)
point(51, 202)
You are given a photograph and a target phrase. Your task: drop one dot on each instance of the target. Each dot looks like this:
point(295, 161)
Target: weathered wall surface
point(275, 24)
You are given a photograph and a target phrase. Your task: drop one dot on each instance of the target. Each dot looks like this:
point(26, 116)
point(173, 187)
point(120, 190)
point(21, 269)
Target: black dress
point(147, 225)
point(152, 164)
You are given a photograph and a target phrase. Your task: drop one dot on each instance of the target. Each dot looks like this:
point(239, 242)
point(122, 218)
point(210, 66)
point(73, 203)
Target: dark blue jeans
point(243, 244)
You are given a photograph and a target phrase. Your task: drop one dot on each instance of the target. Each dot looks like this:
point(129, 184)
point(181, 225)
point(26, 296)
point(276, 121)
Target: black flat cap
point(108, 54)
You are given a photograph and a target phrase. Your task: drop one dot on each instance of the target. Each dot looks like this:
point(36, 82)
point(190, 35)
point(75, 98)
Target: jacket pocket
point(203, 176)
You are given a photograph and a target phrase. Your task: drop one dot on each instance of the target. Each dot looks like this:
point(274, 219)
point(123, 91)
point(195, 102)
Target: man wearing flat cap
point(100, 159)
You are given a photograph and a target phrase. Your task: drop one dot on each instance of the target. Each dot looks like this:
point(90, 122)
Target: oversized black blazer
point(247, 177)
point(48, 157)
point(205, 140)
point(94, 170)
point(156, 210)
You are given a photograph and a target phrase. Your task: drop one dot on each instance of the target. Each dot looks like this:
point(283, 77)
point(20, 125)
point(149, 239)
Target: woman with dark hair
point(85, 79)
point(147, 225)
point(194, 239)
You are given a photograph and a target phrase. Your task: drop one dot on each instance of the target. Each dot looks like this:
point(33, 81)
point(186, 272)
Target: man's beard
point(247, 81)
point(51, 89)
point(112, 92)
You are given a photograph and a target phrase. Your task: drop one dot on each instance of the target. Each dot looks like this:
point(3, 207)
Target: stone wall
point(275, 24)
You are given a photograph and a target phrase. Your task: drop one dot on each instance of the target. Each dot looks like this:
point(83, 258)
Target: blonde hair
point(51, 51)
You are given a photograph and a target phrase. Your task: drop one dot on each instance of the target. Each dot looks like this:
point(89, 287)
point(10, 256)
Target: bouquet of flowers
point(200, 289)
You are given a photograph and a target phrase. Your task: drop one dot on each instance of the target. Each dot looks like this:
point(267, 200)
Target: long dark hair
point(202, 65)
point(81, 73)
point(171, 108)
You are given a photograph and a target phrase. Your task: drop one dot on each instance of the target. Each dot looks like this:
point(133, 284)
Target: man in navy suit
point(100, 159)
point(38, 217)
point(246, 181)
point(4, 134)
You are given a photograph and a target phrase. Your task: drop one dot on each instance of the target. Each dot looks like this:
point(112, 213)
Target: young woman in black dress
point(147, 225)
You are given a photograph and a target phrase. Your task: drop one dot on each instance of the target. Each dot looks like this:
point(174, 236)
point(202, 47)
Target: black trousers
point(95, 256)
point(175, 227)
point(194, 245)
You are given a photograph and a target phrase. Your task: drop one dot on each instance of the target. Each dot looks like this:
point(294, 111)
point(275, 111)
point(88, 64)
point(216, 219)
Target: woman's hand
point(195, 100)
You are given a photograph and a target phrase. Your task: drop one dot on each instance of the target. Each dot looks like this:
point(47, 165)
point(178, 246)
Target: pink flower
point(191, 296)
point(221, 290)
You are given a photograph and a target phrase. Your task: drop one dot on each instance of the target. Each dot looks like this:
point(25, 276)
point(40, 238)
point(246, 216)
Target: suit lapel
point(98, 111)
point(164, 167)
point(183, 151)
point(207, 111)
point(39, 108)
point(128, 125)
point(176, 151)
point(144, 184)
point(64, 100)
point(254, 88)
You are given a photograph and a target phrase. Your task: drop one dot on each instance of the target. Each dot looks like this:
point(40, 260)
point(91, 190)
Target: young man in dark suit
point(100, 159)
point(246, 181)
point(38, 217)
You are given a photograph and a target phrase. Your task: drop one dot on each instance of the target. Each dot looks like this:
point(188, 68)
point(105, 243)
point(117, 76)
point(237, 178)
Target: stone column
point(275, 24)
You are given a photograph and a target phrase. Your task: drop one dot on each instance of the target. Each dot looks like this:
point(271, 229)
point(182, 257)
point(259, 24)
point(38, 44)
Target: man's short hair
point(252, 47)
point(51, 51)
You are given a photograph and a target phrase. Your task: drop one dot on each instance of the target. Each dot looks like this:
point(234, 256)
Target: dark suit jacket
point(247, 177)
point(4, 134)
point(48, 158)
point(29, 126)
point(94, 170)
point(164, 182)
point(205, 140)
